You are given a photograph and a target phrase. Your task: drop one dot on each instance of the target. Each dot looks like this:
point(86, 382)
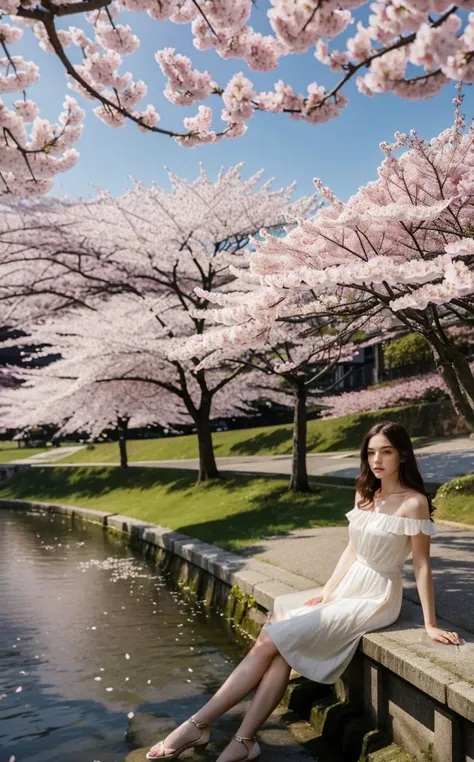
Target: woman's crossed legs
point(262, 668)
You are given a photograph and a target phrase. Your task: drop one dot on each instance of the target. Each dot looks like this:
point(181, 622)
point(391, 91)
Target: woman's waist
point(380, 566)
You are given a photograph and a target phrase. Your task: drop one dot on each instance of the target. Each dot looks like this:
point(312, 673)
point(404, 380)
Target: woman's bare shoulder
point(415, 506)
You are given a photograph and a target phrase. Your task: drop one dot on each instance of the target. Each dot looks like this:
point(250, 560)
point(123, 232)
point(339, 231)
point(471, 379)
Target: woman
point(391, 518)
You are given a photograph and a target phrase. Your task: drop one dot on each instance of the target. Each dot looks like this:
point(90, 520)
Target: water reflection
point(90, 632)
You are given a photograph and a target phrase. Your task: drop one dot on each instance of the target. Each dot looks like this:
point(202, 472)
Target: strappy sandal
point(256, 751)
point(199, 745)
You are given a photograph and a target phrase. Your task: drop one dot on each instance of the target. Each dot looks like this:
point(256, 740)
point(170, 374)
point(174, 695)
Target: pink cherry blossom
point(412, 49)
point(125, 271)
point(119, 38)
point(10, 34)
point(398, 252)
point(28, 110)
point(237, 98)
point(399, 393)
point(199, 128)
point(185, 85)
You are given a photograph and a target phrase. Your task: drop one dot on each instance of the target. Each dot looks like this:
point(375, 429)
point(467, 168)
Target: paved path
point(439, 461)
point(50, 456)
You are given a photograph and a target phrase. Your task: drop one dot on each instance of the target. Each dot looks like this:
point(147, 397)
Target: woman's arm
point(420, 545)
point(347, 558)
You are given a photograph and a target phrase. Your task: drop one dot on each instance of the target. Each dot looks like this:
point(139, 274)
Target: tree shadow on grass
point(273, 510)
point(278, 512)
point(60, 483)
point(335, 436)
point(97, 481)
point(323, 436)
point(265, 442)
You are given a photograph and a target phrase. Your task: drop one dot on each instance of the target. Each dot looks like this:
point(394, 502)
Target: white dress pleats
point(319, 641)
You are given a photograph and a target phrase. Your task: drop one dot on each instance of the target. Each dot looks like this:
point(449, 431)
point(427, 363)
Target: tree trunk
point(122, 430)
point(299, 475)
point(456, 378)
point(207, 462)
point(464, 374)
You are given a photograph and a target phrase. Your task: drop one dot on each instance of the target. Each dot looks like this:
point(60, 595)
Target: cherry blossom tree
point(115, 371)
point(68, 392)
point(299, 364)
point(51, 396)
point(34, 282)
point(158, 246)
point(393, 394)
point(291, 365)
point(149, 242)
point(57, 253)
point(412, 50)
point(401, 249)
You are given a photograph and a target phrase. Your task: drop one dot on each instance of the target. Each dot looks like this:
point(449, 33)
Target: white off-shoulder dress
point(319, 641)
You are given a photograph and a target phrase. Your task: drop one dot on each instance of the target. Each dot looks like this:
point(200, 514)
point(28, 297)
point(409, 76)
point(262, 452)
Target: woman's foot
point(237, 751)
point(185, 733)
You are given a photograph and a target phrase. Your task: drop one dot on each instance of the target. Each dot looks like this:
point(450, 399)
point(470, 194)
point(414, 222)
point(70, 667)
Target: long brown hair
point(409, 474)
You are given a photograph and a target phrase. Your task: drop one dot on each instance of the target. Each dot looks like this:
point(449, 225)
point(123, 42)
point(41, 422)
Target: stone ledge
point(416, 670)
point(295, 581)
point(96, 517)
point(248, 579)
point(460, 698)
point(441, 674)
point(266, 592)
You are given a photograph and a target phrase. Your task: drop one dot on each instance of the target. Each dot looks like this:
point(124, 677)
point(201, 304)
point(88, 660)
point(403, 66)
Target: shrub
point(407, 350)
point(461, 484)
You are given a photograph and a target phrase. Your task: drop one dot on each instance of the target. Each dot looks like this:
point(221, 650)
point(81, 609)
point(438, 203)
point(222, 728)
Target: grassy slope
point(235, 512)
point(323, 436)
point(10, 451)
point(455, 500)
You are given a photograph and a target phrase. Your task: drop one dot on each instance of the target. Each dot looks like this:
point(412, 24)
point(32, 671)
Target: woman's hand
point(318, 599)
point(444, 636)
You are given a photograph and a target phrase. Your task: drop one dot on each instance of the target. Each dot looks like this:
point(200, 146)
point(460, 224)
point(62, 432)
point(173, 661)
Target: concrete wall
point(8, 470)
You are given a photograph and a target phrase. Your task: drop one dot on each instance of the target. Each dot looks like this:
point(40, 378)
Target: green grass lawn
point(235, 512)
point(324, 435)
point(10, 451)
point(455, 500)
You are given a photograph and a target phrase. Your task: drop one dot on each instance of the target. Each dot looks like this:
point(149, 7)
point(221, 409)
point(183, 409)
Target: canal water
point(89, 634)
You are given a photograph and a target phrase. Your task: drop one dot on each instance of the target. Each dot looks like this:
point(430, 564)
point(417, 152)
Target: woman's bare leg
point(245, 677)
point(268, 695)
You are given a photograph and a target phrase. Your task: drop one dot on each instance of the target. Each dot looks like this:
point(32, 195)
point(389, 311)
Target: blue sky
point(343, 152)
